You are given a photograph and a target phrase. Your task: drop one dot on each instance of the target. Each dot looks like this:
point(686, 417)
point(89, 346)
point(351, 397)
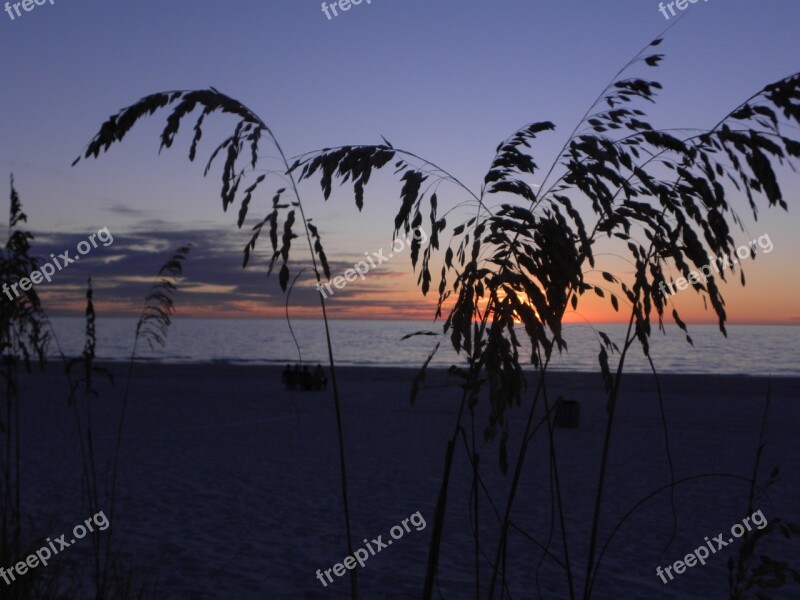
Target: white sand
point(230, 484)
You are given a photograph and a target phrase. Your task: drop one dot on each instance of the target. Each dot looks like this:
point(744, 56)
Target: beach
point(229, 484)
point(209, 204)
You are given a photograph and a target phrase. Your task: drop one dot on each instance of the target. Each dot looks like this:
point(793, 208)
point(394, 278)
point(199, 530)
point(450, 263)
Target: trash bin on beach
point(568, 414)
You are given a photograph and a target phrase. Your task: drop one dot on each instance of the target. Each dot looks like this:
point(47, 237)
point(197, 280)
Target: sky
point(447, 80)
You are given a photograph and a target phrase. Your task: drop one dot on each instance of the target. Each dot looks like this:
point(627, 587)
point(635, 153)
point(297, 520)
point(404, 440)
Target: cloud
point(121, 209)
point(214, 284)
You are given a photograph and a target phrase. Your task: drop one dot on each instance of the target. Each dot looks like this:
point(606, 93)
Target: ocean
point(748, 349)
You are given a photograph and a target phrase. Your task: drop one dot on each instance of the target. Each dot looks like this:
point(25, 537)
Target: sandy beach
point(229, 484)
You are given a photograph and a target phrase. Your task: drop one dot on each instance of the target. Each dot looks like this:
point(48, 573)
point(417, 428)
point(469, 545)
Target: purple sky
point(446, 79)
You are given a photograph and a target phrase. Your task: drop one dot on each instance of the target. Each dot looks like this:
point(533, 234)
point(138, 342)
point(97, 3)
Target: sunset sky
point(447, 80)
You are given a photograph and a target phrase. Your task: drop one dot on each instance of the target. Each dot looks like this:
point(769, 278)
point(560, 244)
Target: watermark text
point(47, 270)
point(701, 553)
point(360, 556)
point(12, 8)
point(374, 260)
point(43, 554)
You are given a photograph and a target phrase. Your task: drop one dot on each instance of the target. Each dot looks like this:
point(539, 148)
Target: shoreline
point(553, 371)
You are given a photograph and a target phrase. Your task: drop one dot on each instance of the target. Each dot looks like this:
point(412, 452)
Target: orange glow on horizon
point(398, 298)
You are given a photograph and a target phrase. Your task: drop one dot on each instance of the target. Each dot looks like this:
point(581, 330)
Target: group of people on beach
point(296, 379)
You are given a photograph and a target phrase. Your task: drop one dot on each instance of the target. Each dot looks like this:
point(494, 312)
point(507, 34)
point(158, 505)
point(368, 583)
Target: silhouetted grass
point(241, 158)
point(25, 335)
point(665, 196)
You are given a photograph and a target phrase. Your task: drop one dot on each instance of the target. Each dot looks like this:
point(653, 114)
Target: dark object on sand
point(320, 381)
point(306, 380)
point(288, 377)
point(568, 414)
point(295, 379)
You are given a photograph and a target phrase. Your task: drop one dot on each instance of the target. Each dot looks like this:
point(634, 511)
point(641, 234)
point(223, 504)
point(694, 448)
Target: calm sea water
point(748, 349)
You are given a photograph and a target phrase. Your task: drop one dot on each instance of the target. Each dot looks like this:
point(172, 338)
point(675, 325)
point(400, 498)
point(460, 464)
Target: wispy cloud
point(215, 283)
